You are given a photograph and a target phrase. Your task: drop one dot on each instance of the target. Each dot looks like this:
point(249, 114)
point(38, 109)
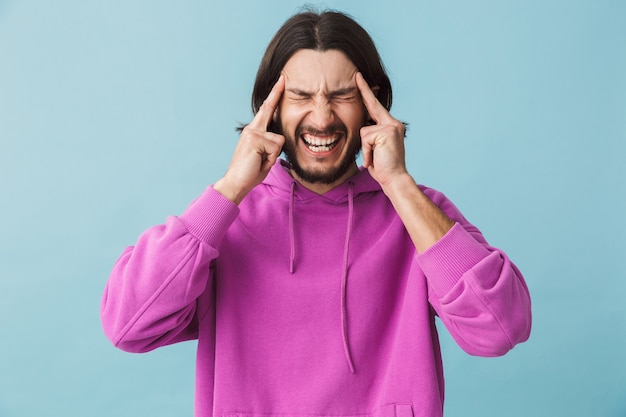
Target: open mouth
point(321, 144)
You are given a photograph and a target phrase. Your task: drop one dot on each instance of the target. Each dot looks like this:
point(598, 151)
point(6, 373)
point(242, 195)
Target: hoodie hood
point(360, 185)
point(281, 183)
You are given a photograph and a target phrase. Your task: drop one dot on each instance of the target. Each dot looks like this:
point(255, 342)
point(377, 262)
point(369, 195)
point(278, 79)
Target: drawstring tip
point(292, 236)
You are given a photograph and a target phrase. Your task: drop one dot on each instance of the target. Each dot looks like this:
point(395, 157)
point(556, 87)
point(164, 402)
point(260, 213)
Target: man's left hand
point(383, 142)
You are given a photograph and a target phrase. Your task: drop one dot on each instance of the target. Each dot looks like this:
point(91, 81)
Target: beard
point(318, 176)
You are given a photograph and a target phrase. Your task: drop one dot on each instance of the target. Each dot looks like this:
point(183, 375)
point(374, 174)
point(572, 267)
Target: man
point(311, 284)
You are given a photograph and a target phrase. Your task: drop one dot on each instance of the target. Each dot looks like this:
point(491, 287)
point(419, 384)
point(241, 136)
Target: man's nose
point(322, 115)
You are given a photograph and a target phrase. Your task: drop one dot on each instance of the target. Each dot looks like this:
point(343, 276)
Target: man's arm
point(475, 289)
point(151, 298)
point(424, 221)
point(383, 156)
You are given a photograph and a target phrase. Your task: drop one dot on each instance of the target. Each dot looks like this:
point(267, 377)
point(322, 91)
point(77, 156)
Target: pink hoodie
point(309, 305)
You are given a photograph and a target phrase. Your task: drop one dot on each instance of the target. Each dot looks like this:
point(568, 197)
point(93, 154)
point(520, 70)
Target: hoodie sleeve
point(150, 299)
point(479, 294)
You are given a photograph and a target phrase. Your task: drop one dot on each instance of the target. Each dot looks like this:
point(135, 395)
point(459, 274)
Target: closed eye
point(297, 94)
point(342, 95)
point(350, 97)
point(298, 98)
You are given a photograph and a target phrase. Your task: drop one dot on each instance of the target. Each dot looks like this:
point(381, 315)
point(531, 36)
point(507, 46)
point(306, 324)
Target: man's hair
point(321, 31)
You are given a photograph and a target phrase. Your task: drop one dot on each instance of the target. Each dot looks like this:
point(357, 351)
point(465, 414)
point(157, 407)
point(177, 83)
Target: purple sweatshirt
point(313, 305)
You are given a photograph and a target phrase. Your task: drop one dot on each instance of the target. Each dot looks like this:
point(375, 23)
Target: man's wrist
point(232, 193)
point(399, 184)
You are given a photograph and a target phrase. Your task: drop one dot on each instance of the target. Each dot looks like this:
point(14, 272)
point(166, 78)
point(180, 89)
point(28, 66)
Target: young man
point(311, 284)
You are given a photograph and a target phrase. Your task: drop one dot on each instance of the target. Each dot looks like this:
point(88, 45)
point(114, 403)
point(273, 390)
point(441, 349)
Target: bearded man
point(312, 284)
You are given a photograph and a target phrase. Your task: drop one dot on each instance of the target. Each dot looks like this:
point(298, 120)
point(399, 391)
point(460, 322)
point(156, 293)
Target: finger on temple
point(373, 106)
point(266, 112)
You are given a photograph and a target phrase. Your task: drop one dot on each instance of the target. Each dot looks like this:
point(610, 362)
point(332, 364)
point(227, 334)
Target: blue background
point(116, 114)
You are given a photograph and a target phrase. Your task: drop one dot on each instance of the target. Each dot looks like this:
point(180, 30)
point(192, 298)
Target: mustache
point(330, 130)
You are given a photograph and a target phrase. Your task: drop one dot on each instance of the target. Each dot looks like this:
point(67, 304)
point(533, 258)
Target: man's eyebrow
point(342, 91)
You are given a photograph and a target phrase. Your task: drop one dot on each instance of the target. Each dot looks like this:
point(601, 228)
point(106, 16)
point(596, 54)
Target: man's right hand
point(257, 151)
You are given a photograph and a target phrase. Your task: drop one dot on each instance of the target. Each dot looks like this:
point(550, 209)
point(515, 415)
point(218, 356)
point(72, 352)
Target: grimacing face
point(320, 115)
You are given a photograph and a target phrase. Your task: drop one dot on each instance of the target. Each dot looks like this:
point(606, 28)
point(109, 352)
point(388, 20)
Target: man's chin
point(325, 176)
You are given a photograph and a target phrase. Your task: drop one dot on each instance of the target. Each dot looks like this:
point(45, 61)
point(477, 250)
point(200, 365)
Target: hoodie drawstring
point(292, 238)
point(344, 279)
point(344, 269)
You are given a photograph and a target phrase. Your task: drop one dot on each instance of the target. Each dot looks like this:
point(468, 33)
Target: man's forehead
point(312, 69)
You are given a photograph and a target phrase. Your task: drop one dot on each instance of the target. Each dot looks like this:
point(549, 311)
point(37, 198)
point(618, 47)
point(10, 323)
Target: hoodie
point(313, 305)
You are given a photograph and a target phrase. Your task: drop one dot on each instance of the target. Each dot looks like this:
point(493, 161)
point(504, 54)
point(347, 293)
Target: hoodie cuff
point(209, 217)
point(450, 258)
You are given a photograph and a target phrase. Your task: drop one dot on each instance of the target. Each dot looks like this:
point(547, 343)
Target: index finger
point(264, 116)
point(376, 110)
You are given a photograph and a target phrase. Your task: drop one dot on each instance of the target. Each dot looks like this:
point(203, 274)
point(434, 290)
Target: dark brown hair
point(321, 31)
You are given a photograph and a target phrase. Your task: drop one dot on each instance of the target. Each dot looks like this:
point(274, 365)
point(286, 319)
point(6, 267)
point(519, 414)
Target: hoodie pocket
point(403, 410)
point(391, 410)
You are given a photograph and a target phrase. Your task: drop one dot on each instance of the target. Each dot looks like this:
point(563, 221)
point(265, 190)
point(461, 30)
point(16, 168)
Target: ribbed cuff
point(209, 217)
point(453, 255)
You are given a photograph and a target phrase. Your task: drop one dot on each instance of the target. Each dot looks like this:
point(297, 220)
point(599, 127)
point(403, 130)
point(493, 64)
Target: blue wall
point(115, 114)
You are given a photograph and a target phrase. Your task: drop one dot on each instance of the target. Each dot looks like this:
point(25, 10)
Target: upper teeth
point(311, 140)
